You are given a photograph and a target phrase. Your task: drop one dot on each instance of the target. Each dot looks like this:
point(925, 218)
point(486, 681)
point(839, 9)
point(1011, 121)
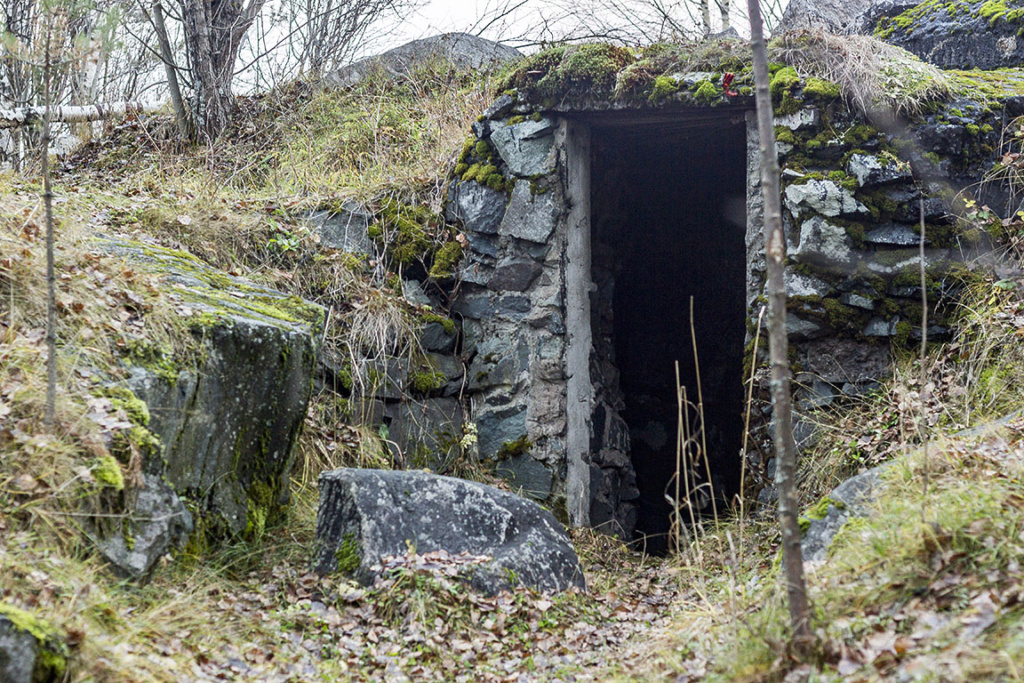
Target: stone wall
point(851, 198)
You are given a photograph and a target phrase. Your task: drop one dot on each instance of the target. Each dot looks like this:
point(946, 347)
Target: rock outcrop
point(833, 16)
point(961, 34)
point(463, 50)
point(366, 515)
point(224, 423)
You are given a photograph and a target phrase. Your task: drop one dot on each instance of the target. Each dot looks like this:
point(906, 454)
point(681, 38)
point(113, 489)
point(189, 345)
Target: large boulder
point(961, 34)
point(463, 50)
point(366, 515)
point(225, 421)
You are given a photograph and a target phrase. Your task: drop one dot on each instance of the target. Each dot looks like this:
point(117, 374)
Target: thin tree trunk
point(49, 416)
point(782, 413)
point(705, 15)
point(167, 56)
point(726, 7)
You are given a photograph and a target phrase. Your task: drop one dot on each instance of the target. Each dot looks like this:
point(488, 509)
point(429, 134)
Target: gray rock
point(525, 474)
point(434, 337)
point(531, 217)
point(499, 426)
point(376, 513)
point(157, 523)
point(385, 378)
point(514, 276)
point(498, 362)
point(823, 196)
point(832, 16)
point(877, 327)
point(850, 499)
point(500, 107)
point(526, 148)
point(425, 431)
point(476, 306)
point(412, 292)
point(822, 243)
point(857, 301)
point(950, 40)
point(798, 329)
point(800, 120)
point(478, 207)
point(893, 235)
point(228, 426)
point(870, 171)
point(20, 654)
point(799, 284)
point(463, 50)
point(344, 229)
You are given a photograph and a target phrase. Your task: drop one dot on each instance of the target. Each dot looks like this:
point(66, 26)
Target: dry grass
point(874, 76)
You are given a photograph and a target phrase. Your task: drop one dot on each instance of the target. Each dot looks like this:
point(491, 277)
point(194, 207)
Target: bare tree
point(782, 410)
point(213, 31)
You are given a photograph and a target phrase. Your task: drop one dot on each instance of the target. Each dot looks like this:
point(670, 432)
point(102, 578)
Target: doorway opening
point(668, 225)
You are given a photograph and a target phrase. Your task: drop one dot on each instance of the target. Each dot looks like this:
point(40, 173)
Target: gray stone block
point(478, 207)
point(526, 148)
point(531, 217)
point(498, 426)
point(824, 197)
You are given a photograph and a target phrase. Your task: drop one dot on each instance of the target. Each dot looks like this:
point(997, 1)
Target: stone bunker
point(598, 199)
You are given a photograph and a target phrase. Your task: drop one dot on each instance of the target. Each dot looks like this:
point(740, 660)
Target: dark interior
point(668, 217)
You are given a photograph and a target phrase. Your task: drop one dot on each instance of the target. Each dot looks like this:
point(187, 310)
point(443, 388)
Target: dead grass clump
point(874, 76)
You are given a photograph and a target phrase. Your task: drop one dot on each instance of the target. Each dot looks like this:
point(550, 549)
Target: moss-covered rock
point(222, 431)
point(31, 650)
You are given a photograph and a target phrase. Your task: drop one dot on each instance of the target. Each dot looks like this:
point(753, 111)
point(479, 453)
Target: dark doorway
point(668, 224)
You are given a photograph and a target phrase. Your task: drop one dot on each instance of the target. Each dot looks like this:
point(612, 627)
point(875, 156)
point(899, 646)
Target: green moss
point(347, 555)
point(578, 71)
point(158, 359)
point(705, 92)
point(445, 260)
point(107, 473)
point(511, 449)
point(821, 89)
point(446, 323)
point(664, 86)
point(859, 134)
point(516, 119)
point(482, 148)
point(818, 511)
point(125, 399)
point(903, 330)
point(426, 382)
point(785, 135)
point(973, 129)
point(261, 506)
point(789, 105)
point(784, 80)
